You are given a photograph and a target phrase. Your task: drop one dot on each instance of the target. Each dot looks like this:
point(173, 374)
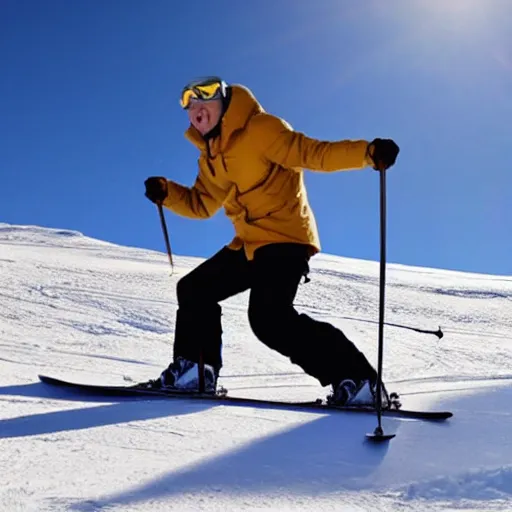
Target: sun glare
point(464, 12)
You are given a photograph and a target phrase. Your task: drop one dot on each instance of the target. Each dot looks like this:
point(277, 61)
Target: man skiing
point(251, 163)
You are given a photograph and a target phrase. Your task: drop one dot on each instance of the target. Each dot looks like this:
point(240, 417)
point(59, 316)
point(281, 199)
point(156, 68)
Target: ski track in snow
point(481, 485)
point(88, 310)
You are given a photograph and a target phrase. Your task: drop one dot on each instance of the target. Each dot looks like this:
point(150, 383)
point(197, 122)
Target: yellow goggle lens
point(208, 91)
point(186, 97)
point(200, 92)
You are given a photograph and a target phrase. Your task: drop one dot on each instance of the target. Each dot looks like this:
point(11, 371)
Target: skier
point(251, 163)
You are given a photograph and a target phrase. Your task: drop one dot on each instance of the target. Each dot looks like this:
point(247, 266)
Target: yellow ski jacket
point(254, 169)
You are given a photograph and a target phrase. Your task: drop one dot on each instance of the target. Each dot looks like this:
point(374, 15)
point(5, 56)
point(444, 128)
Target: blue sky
point(89, 109)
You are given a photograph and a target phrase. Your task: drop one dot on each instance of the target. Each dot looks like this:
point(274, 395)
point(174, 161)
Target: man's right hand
point(156, 189)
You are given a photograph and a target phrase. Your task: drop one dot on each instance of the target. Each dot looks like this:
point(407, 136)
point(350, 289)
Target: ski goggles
point(207, 89)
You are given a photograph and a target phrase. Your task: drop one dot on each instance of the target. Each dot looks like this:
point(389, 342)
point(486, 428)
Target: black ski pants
point(272, 277)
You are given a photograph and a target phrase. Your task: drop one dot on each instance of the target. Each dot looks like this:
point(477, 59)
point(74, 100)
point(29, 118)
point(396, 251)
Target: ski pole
point(200, 368)
point(439, 333)
point(166, 235)
point(378, 434)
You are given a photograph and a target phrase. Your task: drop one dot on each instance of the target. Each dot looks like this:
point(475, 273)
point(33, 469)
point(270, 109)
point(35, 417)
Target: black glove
point(156, 189)
point(383, 152)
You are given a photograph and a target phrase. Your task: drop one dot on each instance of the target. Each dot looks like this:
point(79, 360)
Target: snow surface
point(83, 309)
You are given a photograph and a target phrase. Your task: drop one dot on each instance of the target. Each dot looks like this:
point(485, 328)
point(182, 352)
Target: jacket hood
point(242, 107)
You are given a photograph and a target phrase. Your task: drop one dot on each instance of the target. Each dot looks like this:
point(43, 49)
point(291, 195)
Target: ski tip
point(46, 377)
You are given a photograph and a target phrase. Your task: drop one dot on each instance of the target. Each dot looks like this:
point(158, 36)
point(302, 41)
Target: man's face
point(204, 115)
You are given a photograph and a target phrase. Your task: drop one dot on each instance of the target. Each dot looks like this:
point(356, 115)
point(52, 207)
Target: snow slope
point(83, 309)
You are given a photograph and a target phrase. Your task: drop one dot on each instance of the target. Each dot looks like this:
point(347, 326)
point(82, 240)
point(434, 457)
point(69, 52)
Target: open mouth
point(201, 116)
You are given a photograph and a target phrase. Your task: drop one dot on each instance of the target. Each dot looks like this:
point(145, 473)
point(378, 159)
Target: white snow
point(83, 309)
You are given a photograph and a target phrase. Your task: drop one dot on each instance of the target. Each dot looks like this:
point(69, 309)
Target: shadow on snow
point(309, 458)
point(330, 454)
point(115, 411)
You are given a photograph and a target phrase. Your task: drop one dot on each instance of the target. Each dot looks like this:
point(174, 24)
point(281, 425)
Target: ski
point(222, 397)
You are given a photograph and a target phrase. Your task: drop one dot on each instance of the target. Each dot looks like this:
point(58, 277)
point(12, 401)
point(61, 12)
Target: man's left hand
point(383, 152)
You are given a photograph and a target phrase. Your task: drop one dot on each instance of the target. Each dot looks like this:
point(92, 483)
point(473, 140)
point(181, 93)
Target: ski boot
point(183, 375)
point(363, 393)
